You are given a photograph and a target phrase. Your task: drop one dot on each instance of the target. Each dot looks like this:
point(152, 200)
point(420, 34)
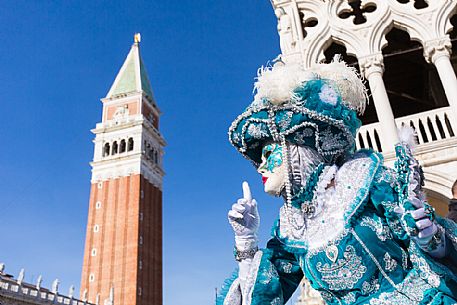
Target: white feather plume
point(277, 83)
point(407, 135)
point(348, 81)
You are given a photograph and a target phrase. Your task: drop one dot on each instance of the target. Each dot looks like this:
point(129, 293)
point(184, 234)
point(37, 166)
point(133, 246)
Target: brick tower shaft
point(123, 250)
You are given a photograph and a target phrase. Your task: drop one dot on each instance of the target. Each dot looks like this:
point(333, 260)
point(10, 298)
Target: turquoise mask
point(273, 156)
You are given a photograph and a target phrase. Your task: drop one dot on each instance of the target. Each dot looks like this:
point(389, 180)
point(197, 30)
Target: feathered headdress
point(316, 107)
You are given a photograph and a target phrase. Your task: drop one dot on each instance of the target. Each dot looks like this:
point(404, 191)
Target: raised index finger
point(246, 191)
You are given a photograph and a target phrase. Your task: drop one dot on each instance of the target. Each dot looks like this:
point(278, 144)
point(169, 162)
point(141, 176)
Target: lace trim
point(252, 277)
point(339, 204)
point(425, 272)
point(375, 224)
point(344, 273)
point(321, 194)
point(234, 294)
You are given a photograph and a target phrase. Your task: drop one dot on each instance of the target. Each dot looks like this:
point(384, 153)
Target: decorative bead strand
point(286, 160)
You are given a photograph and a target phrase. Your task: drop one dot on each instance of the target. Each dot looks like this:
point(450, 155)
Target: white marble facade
point(307, 28)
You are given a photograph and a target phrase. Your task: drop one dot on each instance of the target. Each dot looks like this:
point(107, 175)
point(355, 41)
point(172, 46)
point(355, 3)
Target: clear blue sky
point(57, 58)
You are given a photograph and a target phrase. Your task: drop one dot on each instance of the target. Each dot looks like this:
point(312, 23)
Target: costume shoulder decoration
point(316, 107)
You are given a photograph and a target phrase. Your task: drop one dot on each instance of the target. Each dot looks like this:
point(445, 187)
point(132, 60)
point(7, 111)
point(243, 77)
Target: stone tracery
point(357, 11)
point(361, 27)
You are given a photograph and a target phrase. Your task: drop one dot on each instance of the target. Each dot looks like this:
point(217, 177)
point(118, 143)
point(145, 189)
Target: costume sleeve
point(384, 197)
point(384, 194)
point(397, 193)
point(273, 277)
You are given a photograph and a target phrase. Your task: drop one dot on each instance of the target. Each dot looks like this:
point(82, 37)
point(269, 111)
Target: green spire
point(132, 76)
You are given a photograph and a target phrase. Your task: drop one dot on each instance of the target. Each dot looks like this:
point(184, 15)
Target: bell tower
point(123, 249)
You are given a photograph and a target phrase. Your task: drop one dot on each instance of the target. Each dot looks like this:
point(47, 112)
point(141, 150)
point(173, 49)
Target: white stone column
point(438, 52)
point(372, 67)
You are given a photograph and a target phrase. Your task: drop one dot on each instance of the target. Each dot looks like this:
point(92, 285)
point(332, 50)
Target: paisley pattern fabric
point(345, 272)
point(363, 257)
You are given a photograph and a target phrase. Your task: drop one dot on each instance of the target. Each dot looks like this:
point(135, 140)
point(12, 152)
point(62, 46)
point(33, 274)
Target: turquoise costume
point(358, 243)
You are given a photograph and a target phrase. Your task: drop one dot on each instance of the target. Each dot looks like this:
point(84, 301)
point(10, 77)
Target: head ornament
point(316, 107)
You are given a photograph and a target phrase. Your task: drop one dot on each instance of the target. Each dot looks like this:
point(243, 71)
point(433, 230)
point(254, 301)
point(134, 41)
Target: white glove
point(426, 227)
point(427, 231)
point(244, 219)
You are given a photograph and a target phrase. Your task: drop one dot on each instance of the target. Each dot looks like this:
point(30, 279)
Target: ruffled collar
point(337, 206)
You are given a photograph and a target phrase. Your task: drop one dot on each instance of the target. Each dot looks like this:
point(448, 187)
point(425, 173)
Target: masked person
point(360, 232)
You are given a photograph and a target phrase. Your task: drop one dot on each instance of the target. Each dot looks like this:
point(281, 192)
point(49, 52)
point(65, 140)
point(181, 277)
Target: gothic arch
point(422, 24)
point(377, 40)
point(417, 30)
point(316, 46)
point(444, 14)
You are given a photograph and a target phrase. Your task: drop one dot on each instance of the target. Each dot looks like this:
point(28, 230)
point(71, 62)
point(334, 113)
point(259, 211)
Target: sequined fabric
point(355, 251)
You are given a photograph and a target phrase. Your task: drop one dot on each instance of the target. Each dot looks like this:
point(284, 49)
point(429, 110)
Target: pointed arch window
point(151, 154)
point(130, 144)
point(115, 147)
point(156, 159)
point(106, 150)
point(122, 147)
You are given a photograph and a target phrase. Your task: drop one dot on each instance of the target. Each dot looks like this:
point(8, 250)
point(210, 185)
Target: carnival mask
point(273, 169)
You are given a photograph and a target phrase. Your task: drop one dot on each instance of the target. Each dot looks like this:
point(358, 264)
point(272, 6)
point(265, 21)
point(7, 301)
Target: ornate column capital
point(434, 49)
point(371, 64)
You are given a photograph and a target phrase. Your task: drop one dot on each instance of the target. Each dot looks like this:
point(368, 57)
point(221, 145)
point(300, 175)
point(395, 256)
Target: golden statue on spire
point(137, 38)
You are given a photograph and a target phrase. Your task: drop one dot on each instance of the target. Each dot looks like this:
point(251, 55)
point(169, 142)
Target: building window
point(130, 146)
point(96, 228)
point(141, 216)
point(139, 290)
point(98, 205)
point(91, 277)
point(151, 118)
point(106, 150)
point(93, 252)
point(100, 185)
point(122, 146)
point(142, 194)
point(140, 264)
point(114, 150)
point(141, 240)
point(150, 152)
